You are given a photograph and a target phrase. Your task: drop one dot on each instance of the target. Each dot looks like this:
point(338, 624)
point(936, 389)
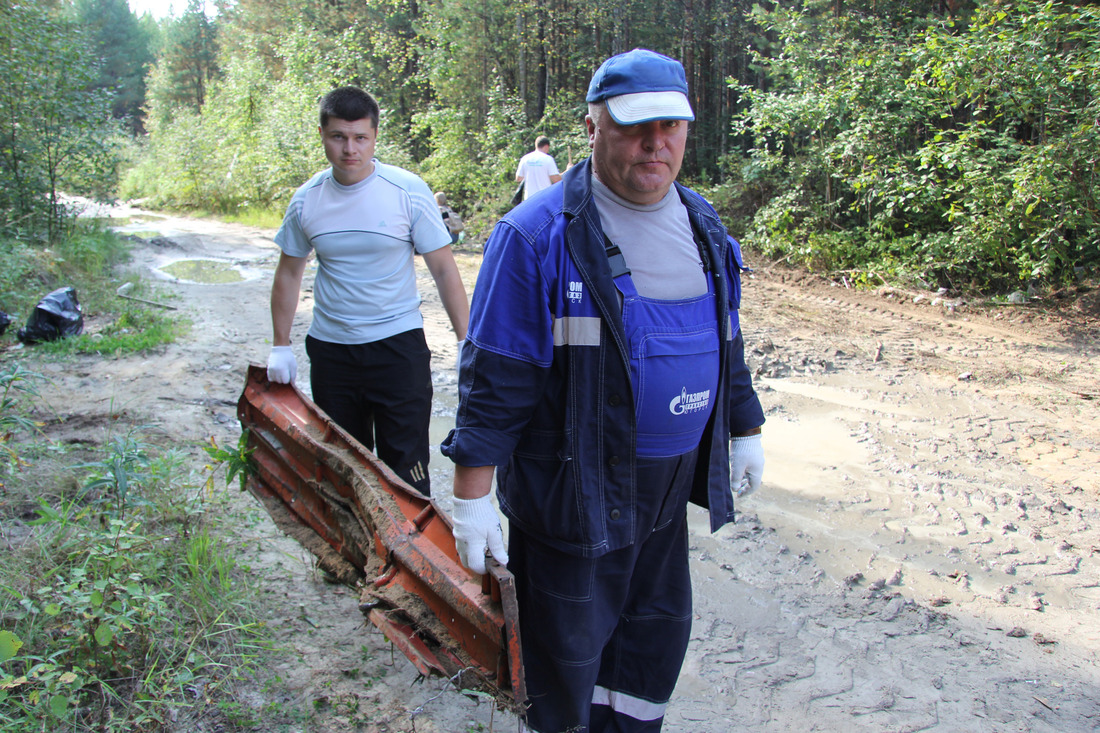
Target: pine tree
point(190, 56)
point(123, 45)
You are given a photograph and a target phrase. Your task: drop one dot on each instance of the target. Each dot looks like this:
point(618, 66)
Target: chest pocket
point(673, 367)
point(675, 383)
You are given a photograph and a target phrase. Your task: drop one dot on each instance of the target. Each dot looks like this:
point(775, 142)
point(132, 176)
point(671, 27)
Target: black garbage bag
point(5, 321)
point(56, 316)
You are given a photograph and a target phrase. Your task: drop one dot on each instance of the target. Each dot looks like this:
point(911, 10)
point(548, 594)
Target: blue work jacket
point(544, 388)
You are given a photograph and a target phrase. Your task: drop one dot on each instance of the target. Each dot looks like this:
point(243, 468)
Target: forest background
point(941, 143)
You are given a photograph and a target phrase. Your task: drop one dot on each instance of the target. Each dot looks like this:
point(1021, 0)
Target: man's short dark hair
point(351, 104)
point(541, 140)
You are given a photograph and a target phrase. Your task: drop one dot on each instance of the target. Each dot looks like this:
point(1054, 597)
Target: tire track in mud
point(941, 335)
point(792, 650)
point(922, 556)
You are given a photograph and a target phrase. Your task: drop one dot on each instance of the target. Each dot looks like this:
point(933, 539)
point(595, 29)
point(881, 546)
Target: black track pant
point(381, 393)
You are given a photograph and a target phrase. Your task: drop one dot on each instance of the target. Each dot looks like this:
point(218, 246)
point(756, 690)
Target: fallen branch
point(127, 287)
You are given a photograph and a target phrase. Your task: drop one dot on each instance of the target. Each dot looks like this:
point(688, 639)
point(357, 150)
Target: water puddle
point(205, 272)
point(146, 226)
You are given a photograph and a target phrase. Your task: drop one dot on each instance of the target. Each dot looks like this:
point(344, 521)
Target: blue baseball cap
point(641, 86)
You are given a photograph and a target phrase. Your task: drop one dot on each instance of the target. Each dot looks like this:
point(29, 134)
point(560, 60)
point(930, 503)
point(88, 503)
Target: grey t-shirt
point(656, 241)
point(365, 237)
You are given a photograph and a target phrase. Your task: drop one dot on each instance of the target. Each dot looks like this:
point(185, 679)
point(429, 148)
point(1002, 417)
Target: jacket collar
point(585, 242)
point(577, 183)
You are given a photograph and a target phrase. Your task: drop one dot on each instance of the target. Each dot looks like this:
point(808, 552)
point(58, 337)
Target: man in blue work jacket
point(604, 379)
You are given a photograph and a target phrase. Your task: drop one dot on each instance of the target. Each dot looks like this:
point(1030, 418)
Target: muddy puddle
point(203, 271)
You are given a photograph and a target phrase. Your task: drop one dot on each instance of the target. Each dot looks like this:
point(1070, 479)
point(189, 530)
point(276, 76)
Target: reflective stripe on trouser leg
point(642, 661)
point(604, 638)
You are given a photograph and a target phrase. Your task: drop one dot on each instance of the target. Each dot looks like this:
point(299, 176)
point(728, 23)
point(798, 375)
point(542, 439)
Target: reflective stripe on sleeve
point(577, 331)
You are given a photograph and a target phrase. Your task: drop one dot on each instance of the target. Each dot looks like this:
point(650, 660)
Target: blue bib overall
point(613, 630)
point(673, 367)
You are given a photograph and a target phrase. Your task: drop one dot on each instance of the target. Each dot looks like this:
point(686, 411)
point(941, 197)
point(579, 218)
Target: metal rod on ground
point(124, 288)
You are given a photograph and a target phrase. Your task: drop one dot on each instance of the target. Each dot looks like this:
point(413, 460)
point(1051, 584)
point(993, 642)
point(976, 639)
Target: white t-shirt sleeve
point(429, 232)
point(291, 238)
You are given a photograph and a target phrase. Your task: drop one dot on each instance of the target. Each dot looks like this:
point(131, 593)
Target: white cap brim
point(634, 109)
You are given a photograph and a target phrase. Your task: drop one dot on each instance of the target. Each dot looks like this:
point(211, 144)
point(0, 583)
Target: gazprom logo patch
point(688, 402)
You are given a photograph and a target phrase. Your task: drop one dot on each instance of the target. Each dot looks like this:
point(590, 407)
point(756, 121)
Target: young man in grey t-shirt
point(370, 367)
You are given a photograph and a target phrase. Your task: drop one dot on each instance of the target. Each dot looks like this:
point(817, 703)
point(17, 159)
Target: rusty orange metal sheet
point(372, 530)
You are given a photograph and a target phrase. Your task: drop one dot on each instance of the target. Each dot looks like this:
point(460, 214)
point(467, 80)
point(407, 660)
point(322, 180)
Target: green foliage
point(476, 172)
point(115, 482)
point(210, 573)
point(465, 88)
point(24, 277)
point(955, 156)
point(125, 47)
point(134, 329)
point(238, 462)
point(90, 249)
point(84, 259)
point(134, 600)
point(878, 137)
point(102, 618)
point(255, 139)
point(264, 217)
point(18, 387)
point(56, 133)
point(188, 60)
point(18, 392)
point(87, 260)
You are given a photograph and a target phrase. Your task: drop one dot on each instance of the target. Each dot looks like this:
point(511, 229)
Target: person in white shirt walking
point(537, 170)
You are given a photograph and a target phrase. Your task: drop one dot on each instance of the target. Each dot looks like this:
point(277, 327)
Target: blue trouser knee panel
point(604, 638)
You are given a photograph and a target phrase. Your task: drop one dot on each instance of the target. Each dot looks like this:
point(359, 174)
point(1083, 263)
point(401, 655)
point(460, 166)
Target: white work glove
point(282, 367)
point(746, 464)
point(477, 528)
point(458, 357)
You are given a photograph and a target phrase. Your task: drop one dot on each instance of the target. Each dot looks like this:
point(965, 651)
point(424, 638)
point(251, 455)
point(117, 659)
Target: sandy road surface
point(923, 555)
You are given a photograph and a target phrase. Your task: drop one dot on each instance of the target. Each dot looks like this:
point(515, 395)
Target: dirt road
point(923, 555)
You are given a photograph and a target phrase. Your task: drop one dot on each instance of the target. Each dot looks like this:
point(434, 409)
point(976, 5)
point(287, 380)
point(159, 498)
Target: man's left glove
point(746, 464)
point(282, 367)
point(477, 529)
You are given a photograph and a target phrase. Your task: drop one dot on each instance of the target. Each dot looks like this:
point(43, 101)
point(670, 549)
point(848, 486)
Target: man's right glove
point(746, 464)
point(477, 529)
point(282, 367)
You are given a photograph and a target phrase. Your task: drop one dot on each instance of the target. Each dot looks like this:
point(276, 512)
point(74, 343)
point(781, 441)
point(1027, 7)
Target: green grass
point(124, 604)
point(265, 218)
point(122, 596)
point(89, 261)
point(134, 329)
